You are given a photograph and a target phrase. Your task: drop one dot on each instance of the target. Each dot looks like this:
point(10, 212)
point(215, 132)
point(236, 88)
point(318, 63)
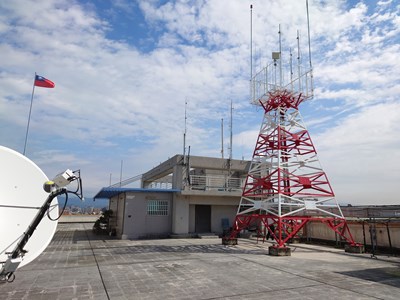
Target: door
point(202, 218)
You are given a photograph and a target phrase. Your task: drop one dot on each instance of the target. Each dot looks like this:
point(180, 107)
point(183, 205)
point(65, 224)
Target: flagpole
point(30, 111)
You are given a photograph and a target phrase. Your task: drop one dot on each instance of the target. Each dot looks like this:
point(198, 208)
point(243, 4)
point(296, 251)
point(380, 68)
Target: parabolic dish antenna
point(21, 196)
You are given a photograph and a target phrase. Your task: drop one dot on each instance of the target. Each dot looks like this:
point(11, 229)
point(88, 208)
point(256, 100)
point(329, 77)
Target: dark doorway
point(202, 218)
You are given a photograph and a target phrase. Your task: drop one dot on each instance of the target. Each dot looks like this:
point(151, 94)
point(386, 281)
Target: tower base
point(229, 241)
point(279, 251)
point(356, 248)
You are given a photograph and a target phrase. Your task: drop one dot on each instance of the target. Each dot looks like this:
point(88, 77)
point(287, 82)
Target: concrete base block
point(295, 240)
point(279, 251)
point(229, 241)
point(182, 236)
point(354, 248)
point(246, 235)
point(207, 236)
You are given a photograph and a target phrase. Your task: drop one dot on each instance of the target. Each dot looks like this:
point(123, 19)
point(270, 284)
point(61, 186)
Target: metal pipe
point(365, 241)
point(309, 39)
point(280, 58)
point(390, 241)
point(298, 60)
point(251, 41)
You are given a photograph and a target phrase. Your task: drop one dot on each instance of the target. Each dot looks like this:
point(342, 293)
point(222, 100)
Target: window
point(157, 208)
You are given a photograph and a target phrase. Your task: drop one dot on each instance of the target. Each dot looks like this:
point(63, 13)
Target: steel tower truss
point(286, 186)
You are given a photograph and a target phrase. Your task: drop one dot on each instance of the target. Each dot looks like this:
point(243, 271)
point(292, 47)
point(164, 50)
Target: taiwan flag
point(43, 82)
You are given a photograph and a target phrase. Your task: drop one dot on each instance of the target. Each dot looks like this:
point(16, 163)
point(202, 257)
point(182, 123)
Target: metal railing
point(216, 183)
point(126, 181)
point(268, 80)
point(197, 182)
point(160, 185)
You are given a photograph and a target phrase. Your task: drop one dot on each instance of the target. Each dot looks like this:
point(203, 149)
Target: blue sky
point(124, 69)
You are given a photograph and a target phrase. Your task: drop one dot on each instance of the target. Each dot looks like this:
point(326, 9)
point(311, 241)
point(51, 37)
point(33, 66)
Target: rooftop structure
point(181, 196)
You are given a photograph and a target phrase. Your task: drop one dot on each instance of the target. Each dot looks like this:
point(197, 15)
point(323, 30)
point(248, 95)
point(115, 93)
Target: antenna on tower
point(298, 59)
point(280, 57)
point(291, 68)
point(309, 39)
point(309, 49)
point(251, 42)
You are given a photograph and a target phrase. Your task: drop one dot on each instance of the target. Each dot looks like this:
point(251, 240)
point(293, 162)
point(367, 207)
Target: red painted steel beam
point(286, 228)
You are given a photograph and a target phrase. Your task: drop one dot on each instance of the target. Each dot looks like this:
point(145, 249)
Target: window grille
point(157, 208)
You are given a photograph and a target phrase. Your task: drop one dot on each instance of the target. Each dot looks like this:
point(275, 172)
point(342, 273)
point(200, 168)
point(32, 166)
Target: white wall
point(219, 212)
point(180, 214)
point(137, 223)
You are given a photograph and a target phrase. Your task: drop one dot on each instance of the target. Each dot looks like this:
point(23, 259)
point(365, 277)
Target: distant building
point(87, 210)
point(181, 196)
point(76, 210)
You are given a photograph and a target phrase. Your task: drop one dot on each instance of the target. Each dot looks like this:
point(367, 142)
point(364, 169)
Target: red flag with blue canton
point(43, 82)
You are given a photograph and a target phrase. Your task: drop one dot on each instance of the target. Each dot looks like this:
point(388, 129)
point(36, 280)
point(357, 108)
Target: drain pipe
point(390, 240)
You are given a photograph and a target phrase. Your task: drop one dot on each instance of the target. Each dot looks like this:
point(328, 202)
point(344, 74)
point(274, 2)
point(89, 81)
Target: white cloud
point(361, 156)
point(114, 101)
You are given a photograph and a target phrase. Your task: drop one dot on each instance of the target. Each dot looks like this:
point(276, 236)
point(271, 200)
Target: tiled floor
point(80, 265)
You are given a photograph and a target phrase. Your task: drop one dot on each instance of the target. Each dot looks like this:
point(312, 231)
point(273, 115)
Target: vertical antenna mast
point(309, 39)
point(309, 50)
point(120, 174)
point(291, 69)
point(230, 137)
point(280, 58)
point(251, 42)
point(184, 136)
point(298, 59)
point(222, 138)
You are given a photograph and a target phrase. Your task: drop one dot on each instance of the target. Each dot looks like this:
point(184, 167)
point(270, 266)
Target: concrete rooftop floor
point(80, 265)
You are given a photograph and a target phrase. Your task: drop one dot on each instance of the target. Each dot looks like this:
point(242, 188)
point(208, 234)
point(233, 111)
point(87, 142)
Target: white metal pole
point(30, 111)
point(184, 137)
point(298, 60)
point(252, 92)
point(251, 42)
point(309, 38)
point(280, 57)
point(120, 174)
point(222, 138)
point(231, 130)
point(291, 70)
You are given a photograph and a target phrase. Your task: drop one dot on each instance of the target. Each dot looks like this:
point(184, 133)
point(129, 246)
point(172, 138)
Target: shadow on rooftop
point(389, 276)
point(193, 248)
point(78, 235)
point(116, 246)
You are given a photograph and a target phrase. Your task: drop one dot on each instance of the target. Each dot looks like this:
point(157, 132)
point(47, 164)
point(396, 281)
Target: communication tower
point(286, 187)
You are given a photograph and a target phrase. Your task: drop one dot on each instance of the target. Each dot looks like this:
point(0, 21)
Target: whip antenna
point(309, 39)
point(251, 42)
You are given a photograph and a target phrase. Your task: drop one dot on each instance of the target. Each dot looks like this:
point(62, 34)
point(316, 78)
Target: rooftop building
point(181, 196)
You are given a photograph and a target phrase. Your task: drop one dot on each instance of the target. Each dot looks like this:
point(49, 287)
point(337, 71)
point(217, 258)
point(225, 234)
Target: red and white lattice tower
point(286, 186)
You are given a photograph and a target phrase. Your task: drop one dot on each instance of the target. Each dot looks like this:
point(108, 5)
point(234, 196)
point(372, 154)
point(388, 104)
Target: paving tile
point(79, 265)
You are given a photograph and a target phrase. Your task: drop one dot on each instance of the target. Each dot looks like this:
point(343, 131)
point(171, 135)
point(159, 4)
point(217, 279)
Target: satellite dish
point(21, 196)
